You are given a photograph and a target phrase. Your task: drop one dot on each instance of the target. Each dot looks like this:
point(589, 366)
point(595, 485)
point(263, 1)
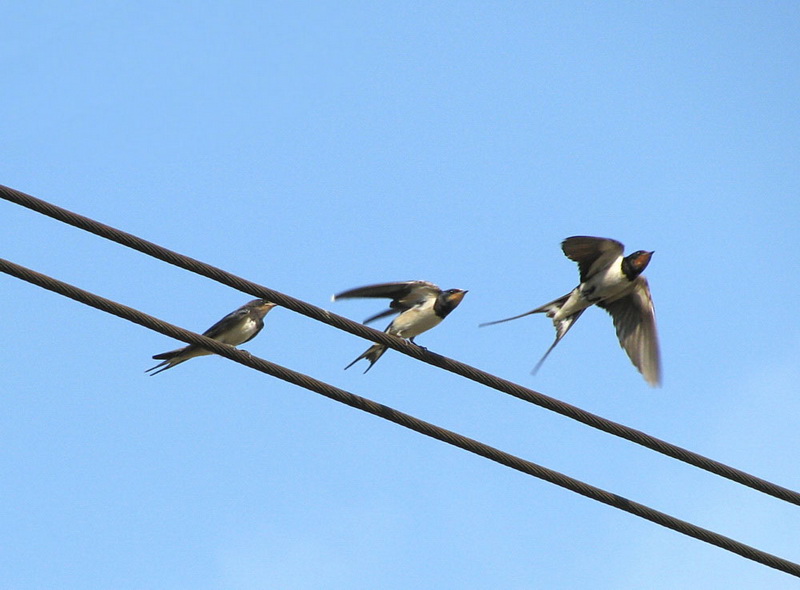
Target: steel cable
point(401, 418)
point(432, 358)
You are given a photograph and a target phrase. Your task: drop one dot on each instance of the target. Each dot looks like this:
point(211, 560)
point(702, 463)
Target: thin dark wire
point(472, 373)
point(401, 418)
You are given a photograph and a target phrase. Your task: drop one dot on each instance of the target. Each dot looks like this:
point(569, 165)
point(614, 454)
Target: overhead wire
point(406, 420)
point(419, 353)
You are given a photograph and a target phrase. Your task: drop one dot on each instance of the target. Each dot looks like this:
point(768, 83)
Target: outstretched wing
point(404, 295)
point(591, 254)
point(635, 321)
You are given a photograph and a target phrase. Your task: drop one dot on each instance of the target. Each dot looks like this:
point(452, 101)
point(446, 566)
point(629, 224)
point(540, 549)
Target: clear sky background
point(315, 147)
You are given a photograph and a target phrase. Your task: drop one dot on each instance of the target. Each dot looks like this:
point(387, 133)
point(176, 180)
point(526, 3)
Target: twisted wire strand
point(401, 418)
point(427, 356)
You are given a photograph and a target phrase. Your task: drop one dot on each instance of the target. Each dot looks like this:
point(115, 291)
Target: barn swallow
point(236, 328)
point(421, 305)
point(613, 282)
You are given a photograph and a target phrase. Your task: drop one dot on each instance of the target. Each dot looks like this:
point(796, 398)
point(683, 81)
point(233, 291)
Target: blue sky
point(315, 147)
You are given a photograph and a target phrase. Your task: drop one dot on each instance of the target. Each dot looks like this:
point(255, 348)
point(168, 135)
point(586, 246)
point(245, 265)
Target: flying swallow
point(421, 305)
point(236, 328)
point(614, 282)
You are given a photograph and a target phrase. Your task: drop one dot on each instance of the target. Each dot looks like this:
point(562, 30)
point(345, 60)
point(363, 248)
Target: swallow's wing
point(635, 320)
point(404, 295)
point(227, 322)
point(591, 254)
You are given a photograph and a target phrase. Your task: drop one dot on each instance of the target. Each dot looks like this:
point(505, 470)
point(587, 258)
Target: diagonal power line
point(342, 323)
point(401, 418)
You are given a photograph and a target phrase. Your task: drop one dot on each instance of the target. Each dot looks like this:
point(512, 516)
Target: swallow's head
point(447, 301)
point(455, 295)
point(262, 306)
point(634, 264)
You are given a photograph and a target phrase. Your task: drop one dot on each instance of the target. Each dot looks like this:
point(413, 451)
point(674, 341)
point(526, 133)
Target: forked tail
point(372, 354)
point(562, 326)
point(548, 308)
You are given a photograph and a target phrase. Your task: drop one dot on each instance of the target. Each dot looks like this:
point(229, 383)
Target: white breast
point(607, 283)
point(415, 321)
point(244, 332)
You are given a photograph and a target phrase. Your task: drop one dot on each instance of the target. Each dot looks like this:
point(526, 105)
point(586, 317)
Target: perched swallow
point(421, 305)
point(235, 328)
point(614, 282)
